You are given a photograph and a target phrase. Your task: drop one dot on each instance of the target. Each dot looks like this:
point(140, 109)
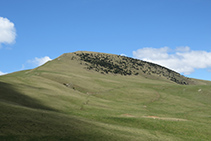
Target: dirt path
point(155, 117)
point(165, 118)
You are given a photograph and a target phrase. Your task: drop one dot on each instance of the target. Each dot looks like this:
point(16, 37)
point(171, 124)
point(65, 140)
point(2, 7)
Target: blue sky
point(173, 33)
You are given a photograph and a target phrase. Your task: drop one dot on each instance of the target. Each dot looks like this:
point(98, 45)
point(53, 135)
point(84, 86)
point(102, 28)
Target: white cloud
point(182, 59)
point(7, 31)
point(123, 54)
point(2, 73)
point(39, 61)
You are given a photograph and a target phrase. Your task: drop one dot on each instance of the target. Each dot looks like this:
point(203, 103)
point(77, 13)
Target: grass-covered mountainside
point(96, 96)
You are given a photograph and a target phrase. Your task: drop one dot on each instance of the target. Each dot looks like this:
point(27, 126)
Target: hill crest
point(116, 64)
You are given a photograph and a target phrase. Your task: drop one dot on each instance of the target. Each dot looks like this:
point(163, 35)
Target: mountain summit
point(117, 64)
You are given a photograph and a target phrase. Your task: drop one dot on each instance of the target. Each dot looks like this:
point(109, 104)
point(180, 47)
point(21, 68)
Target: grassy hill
point(97, 96)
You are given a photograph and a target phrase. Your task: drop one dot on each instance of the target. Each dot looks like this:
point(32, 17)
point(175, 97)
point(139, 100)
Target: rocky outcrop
point(116, 64)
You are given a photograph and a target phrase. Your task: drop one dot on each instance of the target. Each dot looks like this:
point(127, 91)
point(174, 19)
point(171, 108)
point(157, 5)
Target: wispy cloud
point(2, 73)
point(182, 59)
point(39, 61)
point(7, 31)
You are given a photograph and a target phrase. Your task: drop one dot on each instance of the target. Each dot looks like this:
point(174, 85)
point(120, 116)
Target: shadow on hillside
point(9, 94)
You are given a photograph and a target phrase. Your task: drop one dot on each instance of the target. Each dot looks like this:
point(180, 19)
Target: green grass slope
point(63, 100)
